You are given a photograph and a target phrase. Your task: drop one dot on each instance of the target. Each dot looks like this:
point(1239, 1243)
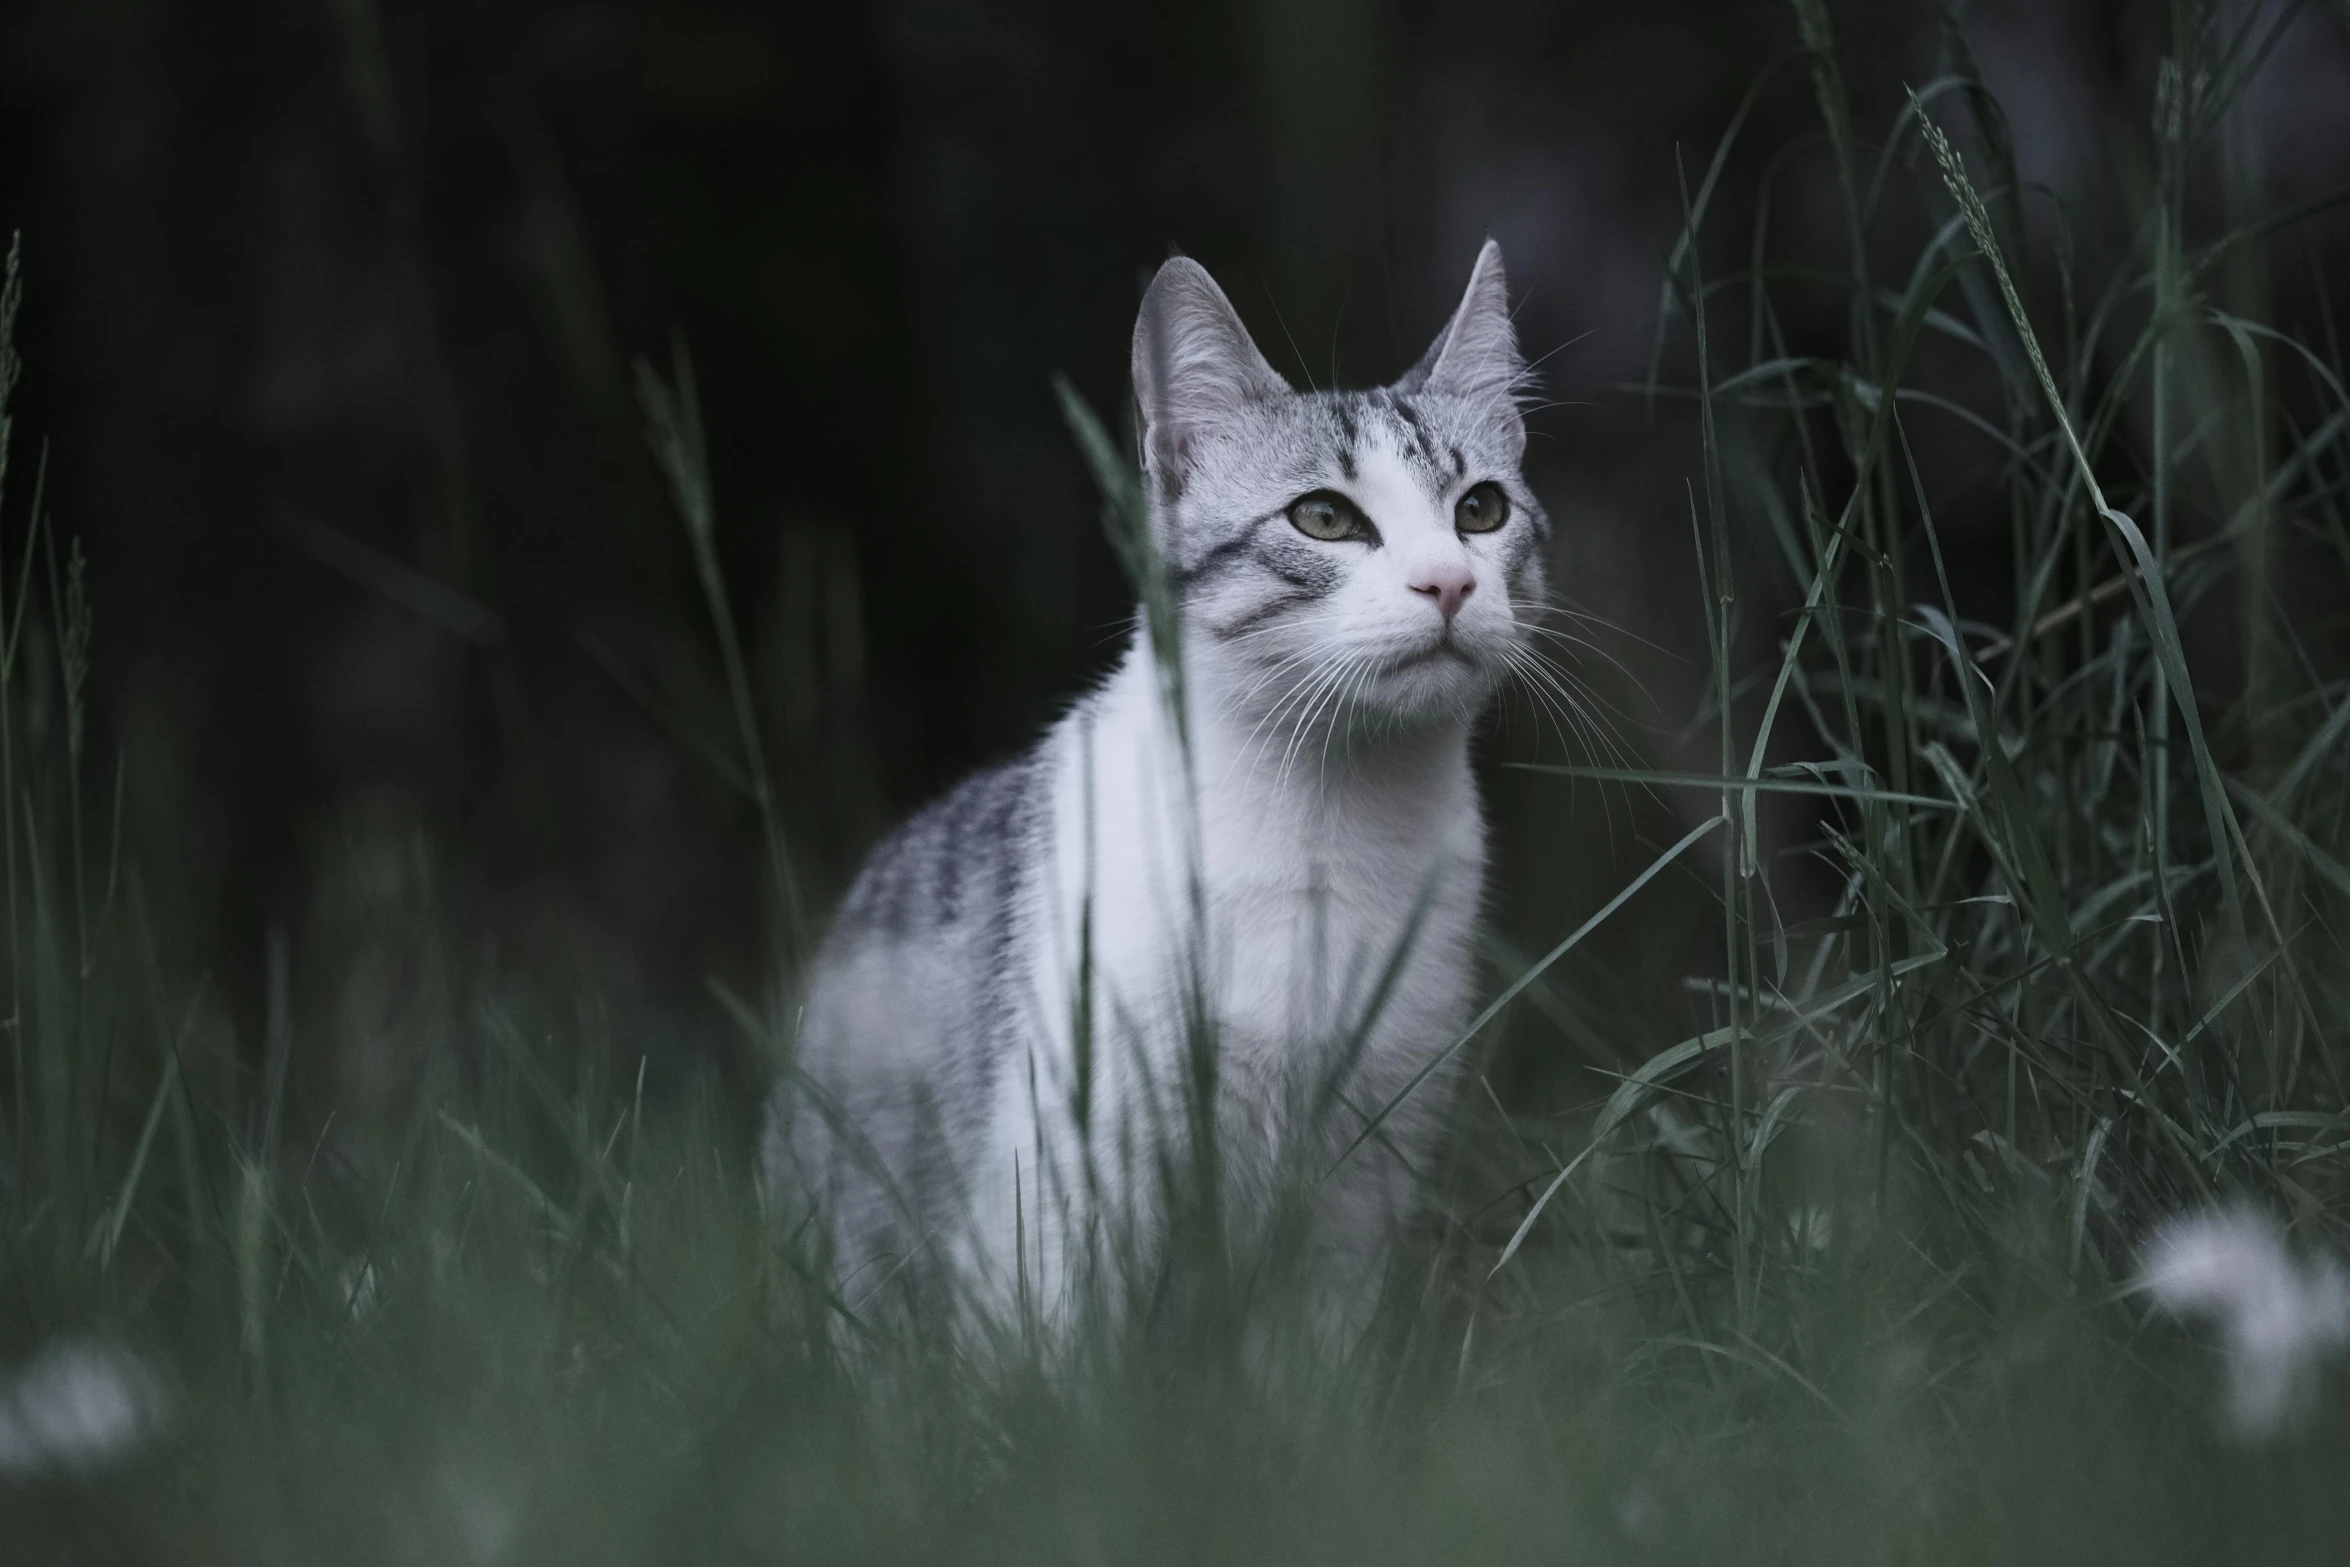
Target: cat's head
point(1342, 555)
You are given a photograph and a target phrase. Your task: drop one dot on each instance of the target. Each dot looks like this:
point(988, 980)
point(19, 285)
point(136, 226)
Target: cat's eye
point(1328, 516)
point(1482, 510)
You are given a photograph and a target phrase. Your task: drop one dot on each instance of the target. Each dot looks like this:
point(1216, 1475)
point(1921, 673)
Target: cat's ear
point(1476, 355)
point(1196, 369)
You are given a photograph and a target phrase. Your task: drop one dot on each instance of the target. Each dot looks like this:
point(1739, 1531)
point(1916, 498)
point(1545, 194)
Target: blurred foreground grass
point(2028, 923)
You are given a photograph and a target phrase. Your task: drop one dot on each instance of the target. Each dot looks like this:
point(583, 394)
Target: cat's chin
point(1443, 684)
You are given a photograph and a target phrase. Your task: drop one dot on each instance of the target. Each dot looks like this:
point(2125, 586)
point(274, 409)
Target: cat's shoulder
point(955, 858)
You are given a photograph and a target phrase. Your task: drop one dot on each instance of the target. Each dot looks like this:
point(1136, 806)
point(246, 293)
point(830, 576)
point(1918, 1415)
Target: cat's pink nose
point(1449, 586)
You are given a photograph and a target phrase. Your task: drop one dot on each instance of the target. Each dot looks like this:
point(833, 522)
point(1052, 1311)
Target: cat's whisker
point(1295, 716)
point(1351, 678)
point(1601, 747)
point(1535, 364)
point(1571, 639)
point(1338, 715)
point(1545, 704)
point(1299, 696)
point(1533, 626)
point(1285, 665)
point(1312, 717)
point(1582, 689)
point(1239, 702)
point(1562, 713)
point(1285, 626)
point(1568, 610)
point(1593, 728)
point(1578, 645)
point(1565, 638)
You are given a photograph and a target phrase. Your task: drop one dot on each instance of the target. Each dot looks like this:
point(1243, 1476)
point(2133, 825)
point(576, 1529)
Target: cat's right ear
point(1196, 370)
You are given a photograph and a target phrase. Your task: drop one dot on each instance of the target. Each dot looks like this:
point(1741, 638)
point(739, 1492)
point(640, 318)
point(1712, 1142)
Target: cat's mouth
point(1443, 648)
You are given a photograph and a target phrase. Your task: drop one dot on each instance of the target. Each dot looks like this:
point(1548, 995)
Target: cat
point(1255, 885)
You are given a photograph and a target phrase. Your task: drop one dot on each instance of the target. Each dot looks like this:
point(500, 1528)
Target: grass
point(2027, 868)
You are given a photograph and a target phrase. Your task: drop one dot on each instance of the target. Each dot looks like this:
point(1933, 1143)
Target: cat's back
point(948, 863)
point(909, 1017)
point(913, 966)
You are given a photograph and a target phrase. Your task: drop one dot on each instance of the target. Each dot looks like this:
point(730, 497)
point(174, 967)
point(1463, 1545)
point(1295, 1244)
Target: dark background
point(332, 307)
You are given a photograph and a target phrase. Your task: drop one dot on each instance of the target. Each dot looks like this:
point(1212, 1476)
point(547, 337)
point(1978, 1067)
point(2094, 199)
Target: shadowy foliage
point(2027, 872)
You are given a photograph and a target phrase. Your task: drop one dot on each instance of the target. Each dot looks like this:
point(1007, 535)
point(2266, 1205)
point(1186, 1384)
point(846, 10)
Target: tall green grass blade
point(673, 429)
point(1494, 1008)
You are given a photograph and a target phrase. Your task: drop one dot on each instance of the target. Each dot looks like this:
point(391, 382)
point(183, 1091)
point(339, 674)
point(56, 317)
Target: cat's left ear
point(1197, 372)
point(1476, 355)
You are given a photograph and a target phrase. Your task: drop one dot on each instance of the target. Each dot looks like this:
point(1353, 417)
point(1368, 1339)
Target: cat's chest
point(1297, 918)
point(1366, 854)
point(1289, 894)
point(1272, 884)
point(1302, 919)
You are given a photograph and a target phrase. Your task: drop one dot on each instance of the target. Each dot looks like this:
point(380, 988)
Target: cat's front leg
point(1360, 1212)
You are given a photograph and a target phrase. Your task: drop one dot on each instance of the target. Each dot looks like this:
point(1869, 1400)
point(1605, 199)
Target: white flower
point(484, 1510)
point(76, 1404)
point(2277, 1318)
point(357, 1282)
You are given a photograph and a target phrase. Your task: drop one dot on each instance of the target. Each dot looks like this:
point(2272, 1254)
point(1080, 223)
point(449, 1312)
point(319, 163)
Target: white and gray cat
point(1008, 1013)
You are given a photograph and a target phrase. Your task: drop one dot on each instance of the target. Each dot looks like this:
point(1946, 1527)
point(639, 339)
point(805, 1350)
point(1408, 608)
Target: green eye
point(1482, 510)
point(1328, 516)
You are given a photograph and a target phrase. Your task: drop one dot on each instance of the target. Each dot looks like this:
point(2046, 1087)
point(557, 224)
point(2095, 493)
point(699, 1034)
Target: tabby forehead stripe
point(1417, 428)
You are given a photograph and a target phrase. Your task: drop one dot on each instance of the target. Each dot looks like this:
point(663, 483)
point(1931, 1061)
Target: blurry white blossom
point(76, 1404)
point(2278, 1318)
point(1812, 1228)
point(357, 1282)
point(1639, 1516)
point(483, 1508)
